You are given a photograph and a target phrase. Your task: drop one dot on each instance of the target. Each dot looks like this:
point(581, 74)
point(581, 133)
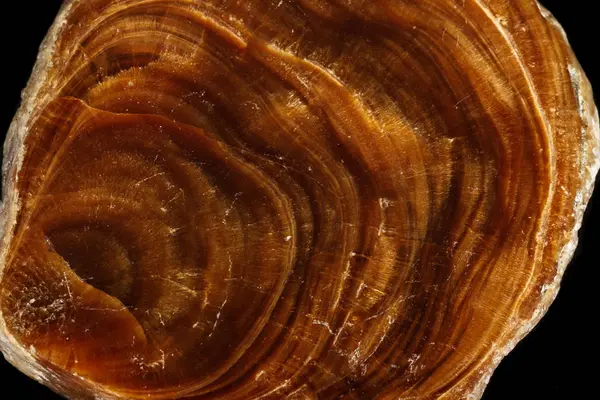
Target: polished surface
point(306, 199)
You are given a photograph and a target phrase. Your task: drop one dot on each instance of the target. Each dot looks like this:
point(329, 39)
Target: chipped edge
point(588, 113)
point(13, 156)
point(17, 355)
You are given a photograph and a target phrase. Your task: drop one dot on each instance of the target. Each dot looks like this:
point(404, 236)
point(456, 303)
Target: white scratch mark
point(361, 287)
point(173, 231)
point(325, 324)
point(411, 363)
point(384, 203)
point(160, 318)
point(463, 99)
point(68, 285)
point(230, 208)
point(164, 207)
point(148, 178)
point(217, 319)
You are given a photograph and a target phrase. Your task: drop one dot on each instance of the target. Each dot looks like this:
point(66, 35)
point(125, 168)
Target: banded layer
point(290, 199)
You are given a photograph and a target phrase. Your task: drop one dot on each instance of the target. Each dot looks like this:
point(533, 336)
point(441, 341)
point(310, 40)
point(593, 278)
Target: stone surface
point(290, 199)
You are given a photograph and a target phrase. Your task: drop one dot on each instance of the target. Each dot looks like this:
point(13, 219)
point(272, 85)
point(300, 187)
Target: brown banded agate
point(310, 199)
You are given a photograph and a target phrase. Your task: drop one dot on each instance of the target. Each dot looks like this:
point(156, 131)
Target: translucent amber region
point(311, 199)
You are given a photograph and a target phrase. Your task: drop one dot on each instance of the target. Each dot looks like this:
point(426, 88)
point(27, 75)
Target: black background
point(558, 360)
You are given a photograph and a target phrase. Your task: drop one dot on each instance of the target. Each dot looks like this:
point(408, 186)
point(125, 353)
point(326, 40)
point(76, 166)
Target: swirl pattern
point(294, 199)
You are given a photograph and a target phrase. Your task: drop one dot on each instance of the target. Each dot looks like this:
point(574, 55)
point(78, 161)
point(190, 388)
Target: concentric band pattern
point(295, 199)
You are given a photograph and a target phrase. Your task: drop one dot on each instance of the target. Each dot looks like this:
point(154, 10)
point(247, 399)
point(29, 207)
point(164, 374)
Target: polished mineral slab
point(311, 199)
